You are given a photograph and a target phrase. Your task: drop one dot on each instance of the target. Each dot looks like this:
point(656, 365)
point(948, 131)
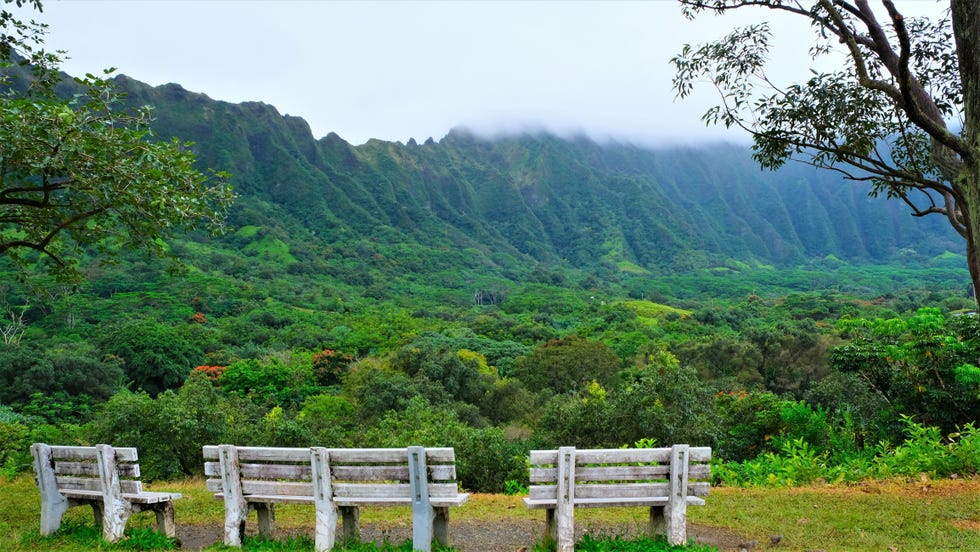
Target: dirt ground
point(473, 536)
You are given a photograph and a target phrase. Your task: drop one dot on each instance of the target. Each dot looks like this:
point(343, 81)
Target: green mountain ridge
point(536, 198)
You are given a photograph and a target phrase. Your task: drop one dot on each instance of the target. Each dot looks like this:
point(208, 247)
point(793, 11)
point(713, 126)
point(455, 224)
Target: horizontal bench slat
point(438, 455)
point(303, 472)
point(625, 490)
point(618, 473)
point(388, 455)
point(151, 497)
point(95, 484)
point(92, 469)
point(438, 502)
point(214, 485)
point(284, 488)
point(439, 472)
point(123, 454)
point(300, 472)
point(609, 503)
point(273, 499)
point(391, 490)
point(265, 454)
point(618, 456)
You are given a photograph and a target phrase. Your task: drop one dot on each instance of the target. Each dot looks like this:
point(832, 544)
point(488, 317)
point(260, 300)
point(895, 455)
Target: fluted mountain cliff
point(540, 198)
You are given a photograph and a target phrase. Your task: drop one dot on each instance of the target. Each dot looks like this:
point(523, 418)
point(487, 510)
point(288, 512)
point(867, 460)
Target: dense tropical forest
point(498, 295)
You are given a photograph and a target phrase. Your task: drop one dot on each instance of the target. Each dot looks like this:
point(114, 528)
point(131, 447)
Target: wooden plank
point(82, 494)
point(387, 490)
point(621, 456)
point(73, 453)
point(301, 472)
point(617, 473)
point(436, 455)
point(151, 497)
point(369, 473)
point(264, 454)
point(543, 492)
point(389, 473)
point(283, 488)
point(279, 499)
point(366, 490)
point(617, 456)
point(441, 502)
point(79, 484)
point(541, 504)
point(90, 469)
point(543, 457)
point(273, 454)
point(339, 457)
point(630, 490)
point(123, 454)
point(621, 473)
point(444, 472)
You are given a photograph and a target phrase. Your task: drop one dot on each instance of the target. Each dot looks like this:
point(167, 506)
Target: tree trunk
point(966, 30)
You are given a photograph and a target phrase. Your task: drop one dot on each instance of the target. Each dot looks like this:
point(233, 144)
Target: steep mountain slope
point(539, 198)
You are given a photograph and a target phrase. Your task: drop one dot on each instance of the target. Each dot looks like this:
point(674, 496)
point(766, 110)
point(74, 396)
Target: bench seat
point(141, 498)
point(609, 502)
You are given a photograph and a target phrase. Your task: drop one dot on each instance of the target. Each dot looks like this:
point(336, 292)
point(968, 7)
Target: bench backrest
point(362, 474)
point(89, 468)
point(619, 473)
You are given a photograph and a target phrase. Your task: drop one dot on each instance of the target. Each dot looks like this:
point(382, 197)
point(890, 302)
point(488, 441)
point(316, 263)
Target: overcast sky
point(406, 69)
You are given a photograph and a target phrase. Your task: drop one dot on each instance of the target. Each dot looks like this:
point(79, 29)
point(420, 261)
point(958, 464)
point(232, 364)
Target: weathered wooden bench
point(665, 479)
point(103, 477)
point(257, 478)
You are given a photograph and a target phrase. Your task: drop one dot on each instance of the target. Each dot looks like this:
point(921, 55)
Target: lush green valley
point(498, 295)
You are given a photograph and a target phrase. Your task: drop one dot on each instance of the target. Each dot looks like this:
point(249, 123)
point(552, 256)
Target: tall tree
point(78, 172)
point(902, 115)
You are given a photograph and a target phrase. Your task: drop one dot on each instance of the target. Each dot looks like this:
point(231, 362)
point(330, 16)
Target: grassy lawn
point(920, 515)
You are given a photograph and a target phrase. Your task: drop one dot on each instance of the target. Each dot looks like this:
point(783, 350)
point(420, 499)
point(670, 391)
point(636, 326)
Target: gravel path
point(472, 536)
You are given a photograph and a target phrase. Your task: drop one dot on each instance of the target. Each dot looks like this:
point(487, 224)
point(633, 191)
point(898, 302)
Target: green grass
point(908, 516)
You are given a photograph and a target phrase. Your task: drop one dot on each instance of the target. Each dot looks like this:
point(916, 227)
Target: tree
point(79, 172)
point(903, 115)
point(567, 365)
point(916, 365)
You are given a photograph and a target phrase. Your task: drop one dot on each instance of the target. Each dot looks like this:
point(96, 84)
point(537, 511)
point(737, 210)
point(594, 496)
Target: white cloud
point(400, 70)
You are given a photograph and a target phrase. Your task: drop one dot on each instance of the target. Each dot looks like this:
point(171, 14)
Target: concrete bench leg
point(658, 524)
point(164, 513)
point(53, 504)
point(440, 527)
point(550, 527)
point(267, 519)
point(351, 516)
